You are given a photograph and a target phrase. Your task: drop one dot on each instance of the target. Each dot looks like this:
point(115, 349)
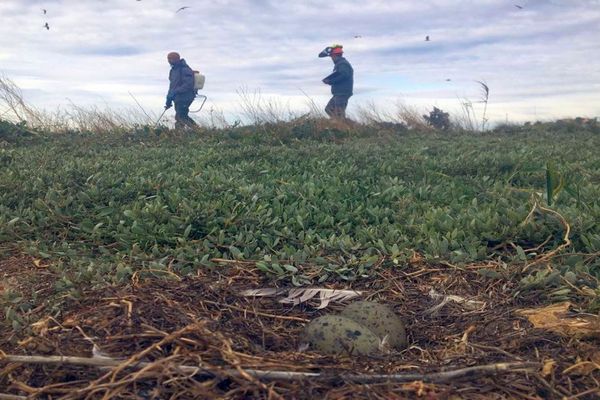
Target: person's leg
point(330, 107)
point(188, 120)
point(182, 110)
point(341, 103)
point(336, 108)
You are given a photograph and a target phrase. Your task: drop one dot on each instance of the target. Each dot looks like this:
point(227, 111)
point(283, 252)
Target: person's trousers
point(182, 113)
point(336, 108)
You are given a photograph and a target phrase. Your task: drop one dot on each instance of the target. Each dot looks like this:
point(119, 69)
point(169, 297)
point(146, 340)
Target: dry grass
point(256, 109)
point(407, 115)
point(92, 119)
point(15, 108)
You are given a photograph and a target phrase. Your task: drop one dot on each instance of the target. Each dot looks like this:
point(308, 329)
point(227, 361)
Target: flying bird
point(181, 9)
point(448, 79)
point(519, 7)
point(427, 38)
point(44, 10)
point(47, 26)
point(357, 36)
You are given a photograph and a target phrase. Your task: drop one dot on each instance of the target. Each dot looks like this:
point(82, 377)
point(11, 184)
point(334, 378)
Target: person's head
point(173, 57)
point(336, 53)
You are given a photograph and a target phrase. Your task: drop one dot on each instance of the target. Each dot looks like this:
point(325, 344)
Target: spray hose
point(203, 97)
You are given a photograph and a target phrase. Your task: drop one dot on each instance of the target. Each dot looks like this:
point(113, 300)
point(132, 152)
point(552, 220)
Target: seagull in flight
point(181, 9)
point(427, 38)
point(519, 7)
point(47, 26)
point(44, 10)
point(357, 36)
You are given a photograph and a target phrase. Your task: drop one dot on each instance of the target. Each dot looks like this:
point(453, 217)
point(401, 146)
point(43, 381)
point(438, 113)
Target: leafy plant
point(438, 119)
point(555, 182)
point(101, 209)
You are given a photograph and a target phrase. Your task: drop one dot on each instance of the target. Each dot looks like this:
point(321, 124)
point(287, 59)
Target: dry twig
point(436, 377)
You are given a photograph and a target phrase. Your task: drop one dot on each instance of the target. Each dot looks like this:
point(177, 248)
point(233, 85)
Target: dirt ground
point(479, 347)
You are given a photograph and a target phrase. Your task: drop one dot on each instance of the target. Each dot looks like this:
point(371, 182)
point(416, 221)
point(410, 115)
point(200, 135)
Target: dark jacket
point(342, 78)
point(181, 81)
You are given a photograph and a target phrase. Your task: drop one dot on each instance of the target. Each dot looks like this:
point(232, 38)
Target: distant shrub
point(508, 128)
point(438, 119)
point(565, 126)
point(10, 132)
point(393, 127)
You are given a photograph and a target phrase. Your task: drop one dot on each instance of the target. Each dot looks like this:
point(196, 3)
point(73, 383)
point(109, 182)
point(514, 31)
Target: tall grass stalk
point(485, 95)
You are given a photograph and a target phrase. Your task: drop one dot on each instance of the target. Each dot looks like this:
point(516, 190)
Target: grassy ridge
point(103, 209)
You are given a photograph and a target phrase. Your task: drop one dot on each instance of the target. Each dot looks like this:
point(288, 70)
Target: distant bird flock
point(427, 37)
point(47, 26)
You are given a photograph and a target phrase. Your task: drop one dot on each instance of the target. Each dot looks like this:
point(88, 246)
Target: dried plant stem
point(436, 377)
point(566, 240)
point(262, 314)
point(484, 99)
point(11, 397)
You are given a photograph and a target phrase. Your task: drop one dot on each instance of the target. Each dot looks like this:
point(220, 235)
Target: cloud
point(544, 53)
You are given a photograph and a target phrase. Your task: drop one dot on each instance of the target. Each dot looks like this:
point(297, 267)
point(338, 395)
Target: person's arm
point(343, 72)
point(327, 79)
point(169, 100)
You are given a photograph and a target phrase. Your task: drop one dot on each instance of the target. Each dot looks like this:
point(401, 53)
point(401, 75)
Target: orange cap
point(337, 51)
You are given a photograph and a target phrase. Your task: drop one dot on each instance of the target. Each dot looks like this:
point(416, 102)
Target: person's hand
point(168, 105)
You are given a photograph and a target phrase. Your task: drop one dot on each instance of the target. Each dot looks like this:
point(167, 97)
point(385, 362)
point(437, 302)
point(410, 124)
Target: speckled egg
point(380, 319)
point(334, 334)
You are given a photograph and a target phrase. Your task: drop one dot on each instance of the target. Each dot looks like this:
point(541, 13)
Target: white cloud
point(540, 61)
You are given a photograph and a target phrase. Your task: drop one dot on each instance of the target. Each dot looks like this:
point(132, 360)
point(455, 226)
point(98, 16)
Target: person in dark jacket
point(341, 81)
point(181, 90)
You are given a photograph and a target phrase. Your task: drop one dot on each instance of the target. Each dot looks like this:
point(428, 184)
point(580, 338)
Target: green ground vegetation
point(101, 208)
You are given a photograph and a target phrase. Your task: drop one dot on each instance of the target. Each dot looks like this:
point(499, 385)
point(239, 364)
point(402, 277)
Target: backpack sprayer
point(199, 80)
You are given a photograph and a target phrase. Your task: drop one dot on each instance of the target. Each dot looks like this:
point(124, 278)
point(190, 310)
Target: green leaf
point(290, 268)
point(262, 266)
point(236, 253)
point(521, 254)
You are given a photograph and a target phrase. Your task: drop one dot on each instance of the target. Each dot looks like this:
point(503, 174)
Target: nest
point(197, 337)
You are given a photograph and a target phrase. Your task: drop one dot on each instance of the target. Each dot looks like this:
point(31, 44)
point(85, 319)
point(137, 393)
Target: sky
point(541, 60)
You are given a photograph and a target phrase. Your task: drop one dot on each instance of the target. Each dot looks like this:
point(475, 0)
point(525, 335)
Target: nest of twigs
point(196, 337)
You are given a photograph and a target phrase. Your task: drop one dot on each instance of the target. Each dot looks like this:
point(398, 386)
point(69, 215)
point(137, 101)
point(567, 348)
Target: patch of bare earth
point(196, 337)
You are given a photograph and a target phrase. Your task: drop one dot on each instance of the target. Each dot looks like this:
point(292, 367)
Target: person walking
point(341, 81)
point(181, 90)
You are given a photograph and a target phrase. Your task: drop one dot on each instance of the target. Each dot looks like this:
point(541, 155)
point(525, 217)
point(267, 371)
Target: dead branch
point(435, 377)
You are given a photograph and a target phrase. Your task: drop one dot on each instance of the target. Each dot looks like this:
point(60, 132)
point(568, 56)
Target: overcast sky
point(541, 61)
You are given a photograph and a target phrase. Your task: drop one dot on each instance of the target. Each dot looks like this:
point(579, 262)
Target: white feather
point(297, 296)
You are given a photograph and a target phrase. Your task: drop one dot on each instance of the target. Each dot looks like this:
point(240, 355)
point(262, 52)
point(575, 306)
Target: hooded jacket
point(342, 78)
point(181, 81)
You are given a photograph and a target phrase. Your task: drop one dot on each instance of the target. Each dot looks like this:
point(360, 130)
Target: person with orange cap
point(181, 90)
point(341, 81)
